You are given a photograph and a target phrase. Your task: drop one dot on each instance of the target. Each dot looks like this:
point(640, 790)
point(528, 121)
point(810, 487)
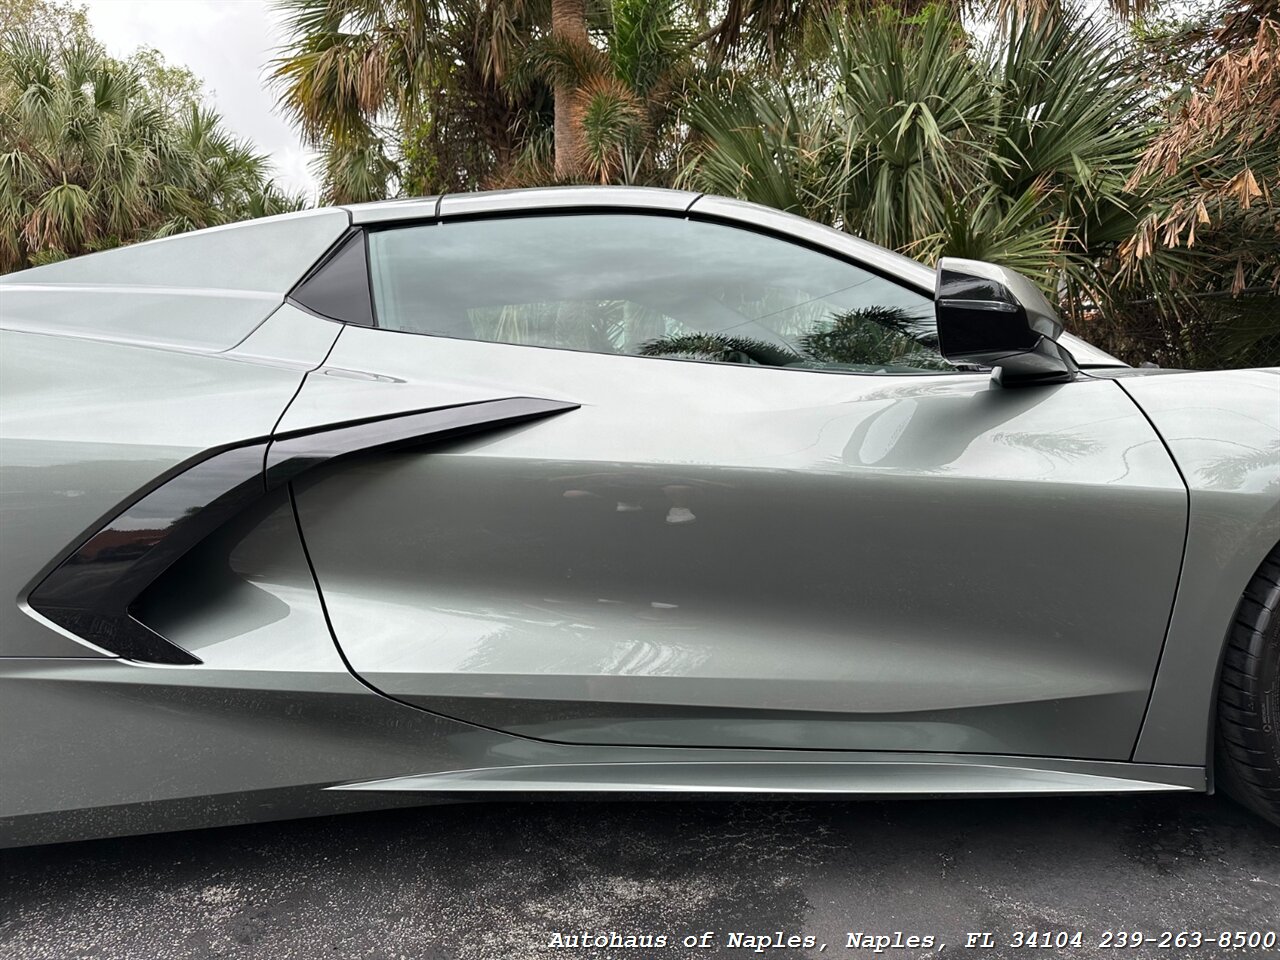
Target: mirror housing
point(997, 318)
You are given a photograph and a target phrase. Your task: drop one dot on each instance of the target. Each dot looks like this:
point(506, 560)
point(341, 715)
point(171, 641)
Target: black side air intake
point(91, 592)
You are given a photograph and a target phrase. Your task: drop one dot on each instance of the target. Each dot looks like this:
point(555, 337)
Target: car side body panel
point(860, 562)
point(269, 718)
point(1223, 430)
point(271, 725)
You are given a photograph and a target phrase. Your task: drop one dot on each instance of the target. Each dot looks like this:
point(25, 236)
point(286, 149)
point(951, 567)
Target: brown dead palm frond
point(1221, 153)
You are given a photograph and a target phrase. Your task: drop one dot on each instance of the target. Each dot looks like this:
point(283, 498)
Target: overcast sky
point(227, 44)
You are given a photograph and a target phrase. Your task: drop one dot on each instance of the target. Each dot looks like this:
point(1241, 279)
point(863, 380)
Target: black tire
point(1247, 753)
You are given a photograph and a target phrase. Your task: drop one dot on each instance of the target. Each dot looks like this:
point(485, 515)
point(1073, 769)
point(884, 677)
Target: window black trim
point(332, 287)
point(368, 278)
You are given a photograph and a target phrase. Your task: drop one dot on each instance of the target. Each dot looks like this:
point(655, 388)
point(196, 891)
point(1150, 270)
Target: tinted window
point(648, 286)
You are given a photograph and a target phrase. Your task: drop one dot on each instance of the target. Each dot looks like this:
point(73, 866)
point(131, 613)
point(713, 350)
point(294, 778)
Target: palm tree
point(1033, 148)
point(914, 136)
point(418, 97)
point(90, 158)
point(411, 95)
point(568, 29)
point(625, 87)
point(1044, 149)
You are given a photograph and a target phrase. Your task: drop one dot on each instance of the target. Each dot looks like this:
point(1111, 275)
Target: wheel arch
point(1211, 726)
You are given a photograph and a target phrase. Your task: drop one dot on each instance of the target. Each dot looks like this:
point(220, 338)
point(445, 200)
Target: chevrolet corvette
point(607, 492)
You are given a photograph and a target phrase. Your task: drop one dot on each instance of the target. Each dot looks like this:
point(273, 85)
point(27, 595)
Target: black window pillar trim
point(92, 591)
point(339, 285)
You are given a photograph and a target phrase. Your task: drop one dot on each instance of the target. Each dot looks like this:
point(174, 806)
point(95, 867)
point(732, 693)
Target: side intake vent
point(91, 593)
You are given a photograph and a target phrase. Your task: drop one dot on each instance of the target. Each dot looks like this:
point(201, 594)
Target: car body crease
point(1177, 585)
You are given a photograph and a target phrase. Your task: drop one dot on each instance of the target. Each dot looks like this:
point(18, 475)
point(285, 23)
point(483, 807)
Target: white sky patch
point(228, 44)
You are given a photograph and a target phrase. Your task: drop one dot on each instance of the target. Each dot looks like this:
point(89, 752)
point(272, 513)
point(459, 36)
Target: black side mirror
point(996, 318)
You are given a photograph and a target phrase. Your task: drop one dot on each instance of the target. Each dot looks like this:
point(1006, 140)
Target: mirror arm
point(1046, 362)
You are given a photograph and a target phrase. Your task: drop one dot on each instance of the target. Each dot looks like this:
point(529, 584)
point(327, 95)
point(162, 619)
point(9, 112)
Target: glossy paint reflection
point(1224, 429)
point(708, 555)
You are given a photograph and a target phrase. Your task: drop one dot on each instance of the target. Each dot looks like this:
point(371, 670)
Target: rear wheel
point(1248, 732)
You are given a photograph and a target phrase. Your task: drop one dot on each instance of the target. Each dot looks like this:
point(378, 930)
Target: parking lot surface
point(513, 880)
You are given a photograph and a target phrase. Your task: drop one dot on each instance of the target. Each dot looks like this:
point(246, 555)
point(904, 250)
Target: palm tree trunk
point(568, 24)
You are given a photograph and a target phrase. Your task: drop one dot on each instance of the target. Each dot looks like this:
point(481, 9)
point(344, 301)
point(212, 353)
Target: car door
point(759, 509)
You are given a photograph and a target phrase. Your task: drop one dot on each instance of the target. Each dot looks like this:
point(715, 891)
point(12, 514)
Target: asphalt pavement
point(515, 880)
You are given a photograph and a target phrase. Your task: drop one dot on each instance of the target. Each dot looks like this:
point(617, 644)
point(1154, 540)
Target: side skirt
point(870, 775)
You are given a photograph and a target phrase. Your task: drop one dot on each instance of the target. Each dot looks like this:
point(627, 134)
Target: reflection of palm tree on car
point(867, 336)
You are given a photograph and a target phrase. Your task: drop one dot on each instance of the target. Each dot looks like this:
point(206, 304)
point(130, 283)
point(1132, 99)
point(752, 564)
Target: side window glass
point(649, 286)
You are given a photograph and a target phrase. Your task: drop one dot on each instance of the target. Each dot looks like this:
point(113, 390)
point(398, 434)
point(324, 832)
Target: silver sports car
point(607, 491)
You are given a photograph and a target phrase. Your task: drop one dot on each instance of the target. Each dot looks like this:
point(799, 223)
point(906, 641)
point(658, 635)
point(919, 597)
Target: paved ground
point(499, 881)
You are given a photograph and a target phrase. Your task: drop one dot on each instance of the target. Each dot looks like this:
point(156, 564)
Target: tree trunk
point(568, 24)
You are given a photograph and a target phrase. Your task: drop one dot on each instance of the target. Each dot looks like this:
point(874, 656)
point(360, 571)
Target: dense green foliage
point(1018, 150)
point(95, 152)
point(417, 97)
point(909, 135)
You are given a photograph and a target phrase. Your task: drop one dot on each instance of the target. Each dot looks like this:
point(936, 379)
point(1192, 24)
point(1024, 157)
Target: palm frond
point(611, 117)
